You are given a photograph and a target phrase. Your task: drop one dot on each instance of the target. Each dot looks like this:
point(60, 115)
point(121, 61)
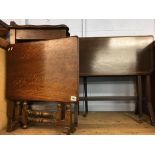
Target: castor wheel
point(67, 130)
point(76, 124)
point(153, 123)
point(24, 126)
point(10, 126)
point(84, 115)
point(140, 121)
point(73, 129)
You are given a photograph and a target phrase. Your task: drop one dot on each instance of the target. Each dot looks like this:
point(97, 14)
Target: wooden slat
point(108, 98)
point(43, 34)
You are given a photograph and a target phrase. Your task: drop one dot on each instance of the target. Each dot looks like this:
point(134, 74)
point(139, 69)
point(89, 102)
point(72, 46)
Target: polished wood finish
point(18, 110)
point(118, 56)
point(69, 126)
point(153, 80)
point(39, 32)
point(48, 118)
point(140, 96)
point(33, 34)
point(108, 98)
point(76, 106)
point(85, 97)
point(42, 67)
point(149, 99)
point(25, 115)
point(103, 56)
point(11, 115)
point(49, 74)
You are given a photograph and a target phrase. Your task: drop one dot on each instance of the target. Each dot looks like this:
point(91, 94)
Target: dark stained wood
point(140, 108)
point(44, 121)
point(153, 80)
point(44, 114)
point(107, 98)
point(43, 71)
point(11, 115)
point(85, 93)
point(69, 126)
point(24, 115)
point(51, 118)
point(103, 56)
point(43, 106)
point(58, 114)
point(76, 114)
point(149, 99)
point(40, 34)
point(13, 25)
point(38, 65)
point(18, 111)
point(118, 56)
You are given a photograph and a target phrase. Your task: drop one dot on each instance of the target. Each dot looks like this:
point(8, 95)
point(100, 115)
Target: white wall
point(104, 27)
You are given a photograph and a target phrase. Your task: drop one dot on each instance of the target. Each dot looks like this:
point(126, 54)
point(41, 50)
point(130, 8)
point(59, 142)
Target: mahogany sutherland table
point(42, 65)
point(118, 56)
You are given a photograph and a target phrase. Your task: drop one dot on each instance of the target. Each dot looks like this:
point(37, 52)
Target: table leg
point(25, 115)
point(69, 125)
point(139, 93)
point(62, 111)
point(59, 114)
point(18, 112)
point(10, 115)
point(85, 95)
point(149, 99)
point(76, 114)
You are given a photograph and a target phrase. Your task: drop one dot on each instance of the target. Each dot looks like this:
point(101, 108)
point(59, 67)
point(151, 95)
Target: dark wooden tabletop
point(104, 56)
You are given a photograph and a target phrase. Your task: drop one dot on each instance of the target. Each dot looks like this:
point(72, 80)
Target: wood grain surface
point(101, 56)
point(43, 70)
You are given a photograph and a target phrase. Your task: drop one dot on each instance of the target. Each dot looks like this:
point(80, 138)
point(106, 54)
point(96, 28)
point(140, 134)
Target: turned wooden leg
point(69, 126)
point(85, 95)
point(62, 111)
point(149, 99)
point(58, 114)
point(76, 106)
point(25, 115)
point(18, 112)
point(10, 115)
point(139, 93)
point(136, 94)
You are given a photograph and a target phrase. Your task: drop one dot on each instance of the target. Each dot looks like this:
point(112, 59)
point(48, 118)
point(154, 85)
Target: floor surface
point(97, 123)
